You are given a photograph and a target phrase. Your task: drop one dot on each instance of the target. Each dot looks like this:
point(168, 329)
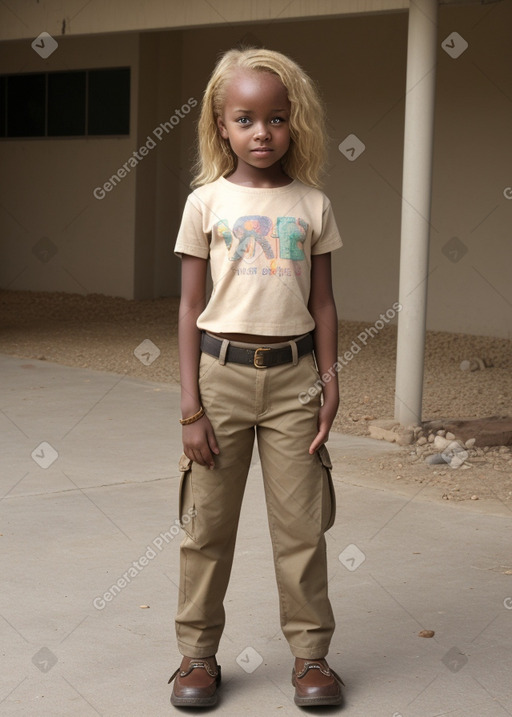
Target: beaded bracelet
point(192, 419)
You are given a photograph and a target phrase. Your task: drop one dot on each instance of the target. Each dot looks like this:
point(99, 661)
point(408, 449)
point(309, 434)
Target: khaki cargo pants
point(242, 401)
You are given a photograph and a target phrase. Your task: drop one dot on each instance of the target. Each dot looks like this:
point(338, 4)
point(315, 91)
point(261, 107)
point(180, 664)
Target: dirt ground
point(106, 333)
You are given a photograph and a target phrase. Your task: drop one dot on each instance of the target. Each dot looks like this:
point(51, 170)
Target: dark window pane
point(66, 104)
point(26, 105)
point(3, 106)
point(109, 101)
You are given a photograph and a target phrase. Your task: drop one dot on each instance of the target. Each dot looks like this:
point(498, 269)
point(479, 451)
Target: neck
point(259, 178)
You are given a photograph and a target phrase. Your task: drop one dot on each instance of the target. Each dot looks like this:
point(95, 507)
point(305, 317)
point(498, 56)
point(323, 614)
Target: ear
point(222, 128)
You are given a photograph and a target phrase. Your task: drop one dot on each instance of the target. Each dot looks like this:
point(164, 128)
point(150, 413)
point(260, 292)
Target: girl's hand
point(326, 416)
point(199, 442)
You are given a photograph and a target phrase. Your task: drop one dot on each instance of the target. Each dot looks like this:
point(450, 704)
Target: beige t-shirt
point(260, 242)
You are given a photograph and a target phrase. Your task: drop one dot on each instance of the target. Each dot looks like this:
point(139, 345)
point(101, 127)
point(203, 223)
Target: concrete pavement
point(88, 504)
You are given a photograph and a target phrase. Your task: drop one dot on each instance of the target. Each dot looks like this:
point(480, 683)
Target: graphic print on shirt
point(256, 238)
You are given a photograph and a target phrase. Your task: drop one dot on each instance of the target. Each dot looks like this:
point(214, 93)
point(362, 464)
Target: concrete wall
point(55, 235)
point(47, 187)
point(172, 181)
point(26, 19)
point(122, 245)
point(470, 288)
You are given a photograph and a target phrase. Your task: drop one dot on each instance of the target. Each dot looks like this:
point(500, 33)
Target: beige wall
point(472, 168)
point(170, 180)
point(122, 244)
point(26, 19)
point(47, 189)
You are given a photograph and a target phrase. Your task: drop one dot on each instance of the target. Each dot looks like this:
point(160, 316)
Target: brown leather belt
point(263, 357)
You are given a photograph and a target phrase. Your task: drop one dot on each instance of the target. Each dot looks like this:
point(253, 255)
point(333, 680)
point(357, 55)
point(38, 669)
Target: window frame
point(4, 106)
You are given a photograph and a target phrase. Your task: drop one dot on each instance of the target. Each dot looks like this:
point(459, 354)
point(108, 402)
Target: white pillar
point(416, 199)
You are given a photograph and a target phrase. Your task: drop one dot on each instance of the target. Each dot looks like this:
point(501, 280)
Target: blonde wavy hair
point(306, 155)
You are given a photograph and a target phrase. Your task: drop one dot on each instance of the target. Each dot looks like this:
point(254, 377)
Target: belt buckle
point(257, 357)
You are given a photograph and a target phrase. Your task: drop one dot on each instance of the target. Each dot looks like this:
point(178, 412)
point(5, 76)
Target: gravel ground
point(102, 333)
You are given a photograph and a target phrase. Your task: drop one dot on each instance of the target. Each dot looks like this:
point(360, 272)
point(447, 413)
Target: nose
point(261, 131)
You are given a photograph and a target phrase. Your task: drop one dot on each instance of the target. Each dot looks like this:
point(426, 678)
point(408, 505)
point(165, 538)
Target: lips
point(262, 150)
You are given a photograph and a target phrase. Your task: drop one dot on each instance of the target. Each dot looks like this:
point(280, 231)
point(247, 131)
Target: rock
point(382, 429)
point(457, 460)
point(441, 443)
point(488, 431)
point(474, 497)
point(433, 426)
point(431, 438)
point(381, 434)
point(441, 432)
point(470, 442)
point(450, 436)
point(454, 453)
point(469, 365)
point(405, 438)
point(422, 441)
point(434, 459)
point(426, 633)
point(391, 430)
point(475, 364)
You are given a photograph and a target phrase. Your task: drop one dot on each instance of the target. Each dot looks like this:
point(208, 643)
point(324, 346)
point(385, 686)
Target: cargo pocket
point(328, 494)
point(187, 508)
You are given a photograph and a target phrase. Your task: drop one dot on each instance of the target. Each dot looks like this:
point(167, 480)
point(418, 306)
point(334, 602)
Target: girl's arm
point(199, 443)
point(323, 310)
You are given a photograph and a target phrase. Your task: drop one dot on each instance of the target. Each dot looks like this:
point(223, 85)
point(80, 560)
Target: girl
point(246, 355)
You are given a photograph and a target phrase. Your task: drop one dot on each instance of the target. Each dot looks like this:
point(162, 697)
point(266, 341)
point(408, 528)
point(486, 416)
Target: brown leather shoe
point(316, 684)
point(196, 682)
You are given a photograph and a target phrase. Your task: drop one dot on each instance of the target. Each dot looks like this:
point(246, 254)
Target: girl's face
point(255, 121)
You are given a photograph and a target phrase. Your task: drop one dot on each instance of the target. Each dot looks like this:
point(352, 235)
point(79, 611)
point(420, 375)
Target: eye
point(277, 120)
point(243, 120)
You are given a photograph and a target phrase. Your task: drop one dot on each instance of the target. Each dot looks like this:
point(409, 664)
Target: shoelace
point(194, 665)
point(327, 671)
